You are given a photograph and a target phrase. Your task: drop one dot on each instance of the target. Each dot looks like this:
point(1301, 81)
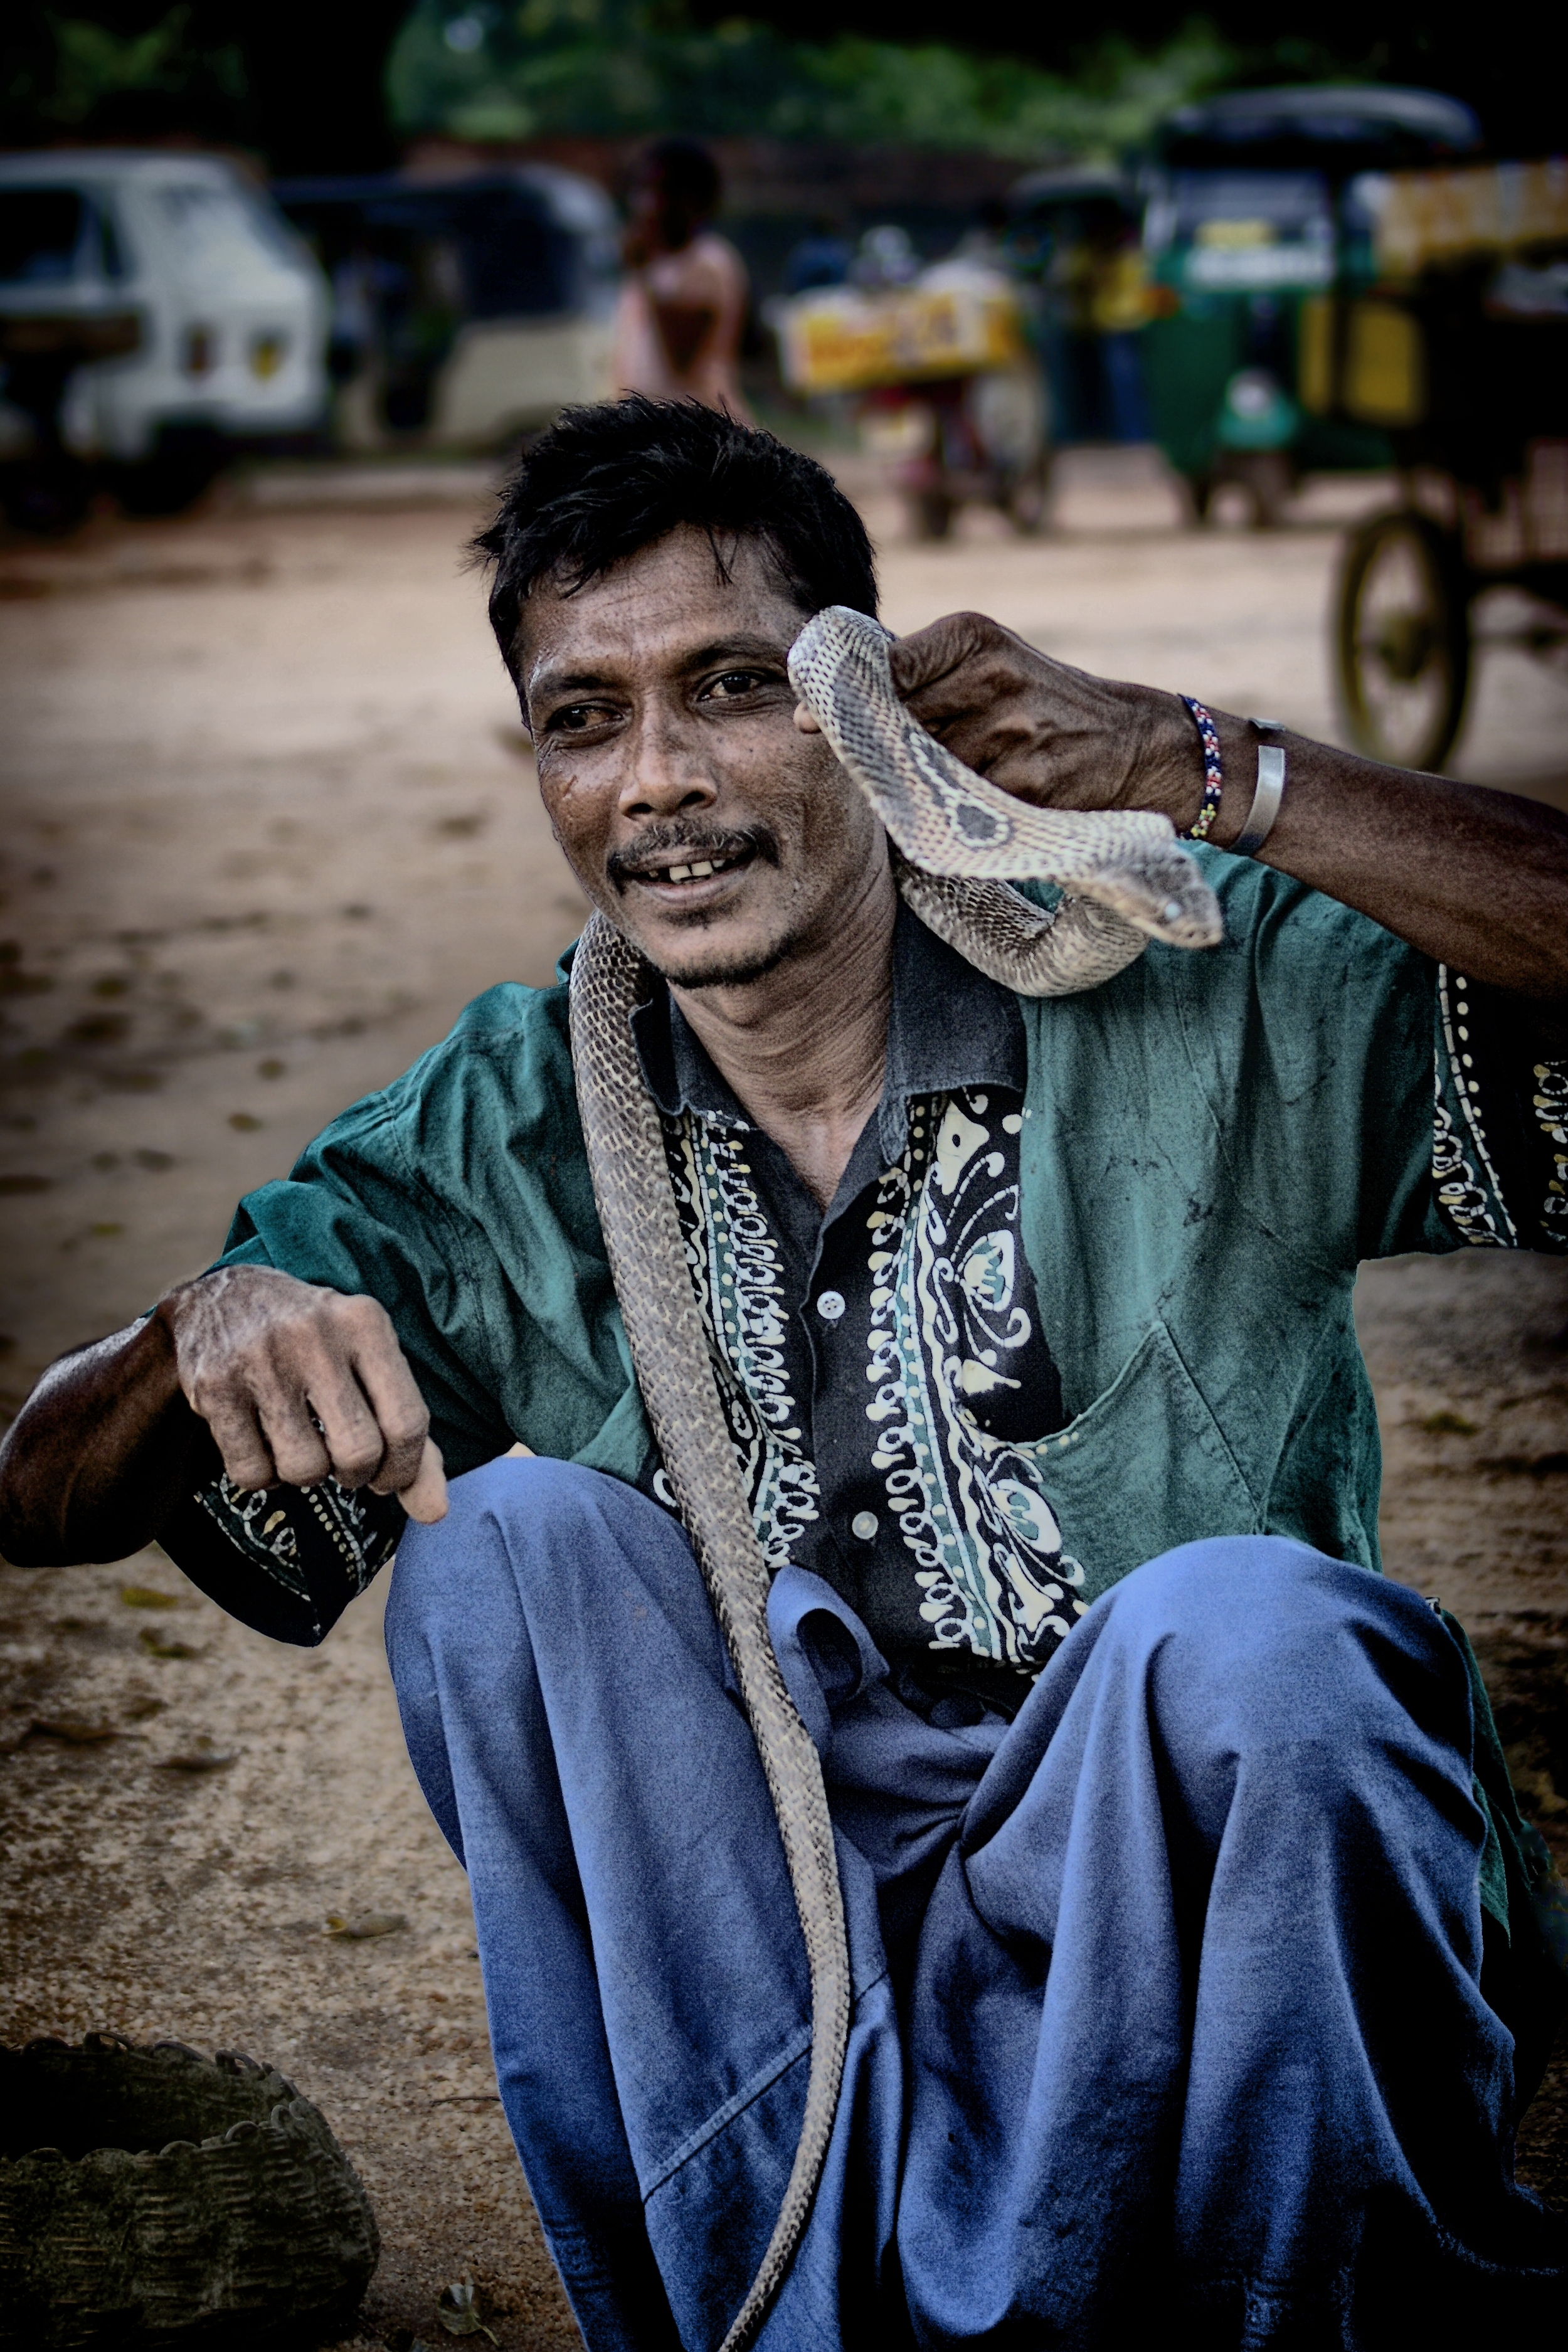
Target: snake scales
point(956, 839)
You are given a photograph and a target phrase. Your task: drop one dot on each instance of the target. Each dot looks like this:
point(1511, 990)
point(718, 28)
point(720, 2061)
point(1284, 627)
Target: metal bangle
point(1266, 799)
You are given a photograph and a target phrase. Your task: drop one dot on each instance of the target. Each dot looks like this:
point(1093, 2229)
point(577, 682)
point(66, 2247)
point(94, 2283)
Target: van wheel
point(1027, 501)
point(1266, 477)
point(180, 470)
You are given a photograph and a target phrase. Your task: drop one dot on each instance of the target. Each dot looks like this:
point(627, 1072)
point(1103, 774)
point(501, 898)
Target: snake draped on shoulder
point(958, 841)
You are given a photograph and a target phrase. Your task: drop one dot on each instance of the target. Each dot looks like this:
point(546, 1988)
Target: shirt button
point(830, 1305)
point(863, 1524)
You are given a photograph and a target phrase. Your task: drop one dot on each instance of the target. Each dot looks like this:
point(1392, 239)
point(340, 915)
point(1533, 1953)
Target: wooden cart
point(1457, 348)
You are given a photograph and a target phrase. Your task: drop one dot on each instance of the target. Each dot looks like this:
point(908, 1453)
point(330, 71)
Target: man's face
point(694, 812)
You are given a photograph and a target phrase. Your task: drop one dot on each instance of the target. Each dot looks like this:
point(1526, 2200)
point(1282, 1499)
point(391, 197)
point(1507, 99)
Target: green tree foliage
point(74, 73)
point(477, 71)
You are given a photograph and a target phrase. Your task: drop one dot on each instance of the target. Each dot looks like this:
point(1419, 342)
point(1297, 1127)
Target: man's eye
point(575, 717)
point(734, 682)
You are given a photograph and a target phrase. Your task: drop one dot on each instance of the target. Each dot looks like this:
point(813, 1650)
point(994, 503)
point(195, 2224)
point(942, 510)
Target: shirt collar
point(948, 1026)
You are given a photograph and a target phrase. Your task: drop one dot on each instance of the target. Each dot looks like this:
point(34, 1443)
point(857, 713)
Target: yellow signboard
point(1438, 216)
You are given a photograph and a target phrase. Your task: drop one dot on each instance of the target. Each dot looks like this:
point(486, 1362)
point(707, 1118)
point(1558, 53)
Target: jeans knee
point(537, 1550)
point(456, 1577)
point(1278, 1641)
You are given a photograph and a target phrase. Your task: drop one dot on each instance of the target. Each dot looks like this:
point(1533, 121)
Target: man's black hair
point(603, 482)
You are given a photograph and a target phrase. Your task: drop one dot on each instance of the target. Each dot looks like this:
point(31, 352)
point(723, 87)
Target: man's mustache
point(681, 842)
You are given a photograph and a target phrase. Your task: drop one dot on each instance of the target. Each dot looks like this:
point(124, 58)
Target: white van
point(156, 312)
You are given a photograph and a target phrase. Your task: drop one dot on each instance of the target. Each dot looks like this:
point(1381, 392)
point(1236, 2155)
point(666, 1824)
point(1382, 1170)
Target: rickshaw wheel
point(1028, 497)
point(1264, 478)
point(931, 514)
point(1403, 640)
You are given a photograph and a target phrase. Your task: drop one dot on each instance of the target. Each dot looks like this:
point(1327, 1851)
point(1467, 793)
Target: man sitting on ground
point(1197, 1975)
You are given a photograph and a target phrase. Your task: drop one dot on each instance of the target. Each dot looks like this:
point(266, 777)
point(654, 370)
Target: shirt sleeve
point(1372, 1102)
point(1499, 1150)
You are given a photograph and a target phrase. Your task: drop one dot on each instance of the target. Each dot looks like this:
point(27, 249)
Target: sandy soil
point(270, 823)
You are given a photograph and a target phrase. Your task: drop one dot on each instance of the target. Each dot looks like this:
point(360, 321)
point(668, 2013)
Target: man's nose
point(667, 776)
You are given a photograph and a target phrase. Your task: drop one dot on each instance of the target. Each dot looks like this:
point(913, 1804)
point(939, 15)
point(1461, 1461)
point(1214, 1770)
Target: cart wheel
point(1403, 641)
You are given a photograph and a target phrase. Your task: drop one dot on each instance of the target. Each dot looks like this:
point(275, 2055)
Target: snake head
point(949, 822)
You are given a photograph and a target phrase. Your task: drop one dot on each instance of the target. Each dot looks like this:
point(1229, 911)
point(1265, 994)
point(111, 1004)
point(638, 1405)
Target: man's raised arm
point(1474, 879)
point(276, 1381)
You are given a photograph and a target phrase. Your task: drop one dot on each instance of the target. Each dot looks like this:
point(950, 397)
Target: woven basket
point(155, 2197)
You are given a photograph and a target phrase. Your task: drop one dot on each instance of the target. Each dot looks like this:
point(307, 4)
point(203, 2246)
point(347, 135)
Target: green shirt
point(1213, 1142)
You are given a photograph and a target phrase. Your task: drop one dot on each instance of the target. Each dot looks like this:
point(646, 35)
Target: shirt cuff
point(284, 1560)
point(1499, 1160)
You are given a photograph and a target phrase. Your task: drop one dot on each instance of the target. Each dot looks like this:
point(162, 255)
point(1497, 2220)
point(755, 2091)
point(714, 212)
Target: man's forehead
point(658, 607)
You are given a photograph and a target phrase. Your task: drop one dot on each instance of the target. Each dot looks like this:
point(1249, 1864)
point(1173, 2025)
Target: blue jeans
point(1167, 1994)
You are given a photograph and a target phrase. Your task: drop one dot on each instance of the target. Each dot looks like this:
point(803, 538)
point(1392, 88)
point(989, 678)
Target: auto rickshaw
point(1249, 219)
point(466, 312)
point(1451, 337)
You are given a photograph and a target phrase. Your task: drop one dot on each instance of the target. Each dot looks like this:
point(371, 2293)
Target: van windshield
point(216, 227)
point(40, 235)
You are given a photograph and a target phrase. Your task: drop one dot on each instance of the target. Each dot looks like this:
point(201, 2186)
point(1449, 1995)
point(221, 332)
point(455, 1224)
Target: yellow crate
point(838, 340)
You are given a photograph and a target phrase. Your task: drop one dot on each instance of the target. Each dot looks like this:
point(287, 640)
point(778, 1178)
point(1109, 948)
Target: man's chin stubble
point(727, 971)
point(734, 969)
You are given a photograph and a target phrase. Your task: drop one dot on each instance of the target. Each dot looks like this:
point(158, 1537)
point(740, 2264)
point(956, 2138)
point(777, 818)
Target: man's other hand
point(297, 1382)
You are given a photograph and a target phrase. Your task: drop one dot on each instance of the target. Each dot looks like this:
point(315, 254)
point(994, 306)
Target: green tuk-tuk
point(1252, 220)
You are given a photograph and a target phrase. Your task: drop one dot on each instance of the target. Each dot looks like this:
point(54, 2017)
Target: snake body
point(957, 839)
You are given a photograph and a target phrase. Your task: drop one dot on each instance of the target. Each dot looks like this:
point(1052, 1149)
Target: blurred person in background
point(822, 257)
point(683, 307)
point(1118, 307)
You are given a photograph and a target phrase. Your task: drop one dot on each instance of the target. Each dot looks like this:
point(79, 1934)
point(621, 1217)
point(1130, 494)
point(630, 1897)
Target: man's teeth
point(697, 871)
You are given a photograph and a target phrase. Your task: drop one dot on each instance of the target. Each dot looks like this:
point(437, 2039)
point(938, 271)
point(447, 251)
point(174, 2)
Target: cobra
point(959, 842)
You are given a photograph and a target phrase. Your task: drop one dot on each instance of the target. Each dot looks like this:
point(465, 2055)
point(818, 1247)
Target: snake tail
point(674, 1372)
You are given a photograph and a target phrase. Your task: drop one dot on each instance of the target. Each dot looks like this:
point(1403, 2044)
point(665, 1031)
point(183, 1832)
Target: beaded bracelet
point(1214, 780)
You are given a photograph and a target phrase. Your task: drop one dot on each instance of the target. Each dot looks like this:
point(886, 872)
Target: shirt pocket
point(1144, 1468)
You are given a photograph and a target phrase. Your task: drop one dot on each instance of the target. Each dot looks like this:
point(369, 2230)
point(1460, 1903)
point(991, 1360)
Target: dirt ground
point(270, 823)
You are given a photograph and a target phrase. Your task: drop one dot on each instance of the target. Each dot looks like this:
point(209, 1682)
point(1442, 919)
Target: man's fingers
point(396, 1401)
point(355, 1441)
point(298, 1381)
point(297, 1445)
point(931, 653)
point(246, 1458)
point(806, 720)
point(425, 1498)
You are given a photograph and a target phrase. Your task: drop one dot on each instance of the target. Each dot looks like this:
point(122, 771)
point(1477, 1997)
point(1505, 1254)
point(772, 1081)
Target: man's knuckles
point(405, 1432)
point(363, 1317)
point(356, 1465)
